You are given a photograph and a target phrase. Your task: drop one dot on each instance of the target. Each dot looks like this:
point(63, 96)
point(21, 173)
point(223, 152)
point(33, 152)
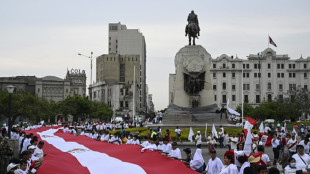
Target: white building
point(125, 41)
point(266, 76)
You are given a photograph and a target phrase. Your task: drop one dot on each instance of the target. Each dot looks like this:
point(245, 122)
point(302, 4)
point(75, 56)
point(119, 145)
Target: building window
point(224, 85)
point(224, 74)
point(38, 89)
point(233, 75)
point(269, 97)
point(282, 75)
point(282, 66)
point(243, 66)
point(305, 75)
point(248, 66)
point(305, 87)
point(233, 97)
point(214, 87)
point(305, 65)
point(279, 75)
point(269, 86)
point(281, 98)
point(121, 91)
point(126, 104)
point(214, 75)
point(269, 75)
point(214, 65)
point(257, 98)
point(278, 66)
point(255, 75)
point(243, 75)
point(224, 65)
point(233, 65)
point(247, 75)
point(280, 87)
point(293, 66)
point(122, 73)
point(246, 98)
point(246, 86)
point(255, 66)
point(66, 90)
point(95, 94)
point(257, 86)
point(214, 97)
point(269, 65)
point(292, 87)
point(289, 75)
point(289, 66)
point(233, 87)
point(121, 104)
point(224, 99)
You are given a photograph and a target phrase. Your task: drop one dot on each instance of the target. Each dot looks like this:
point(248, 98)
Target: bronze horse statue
point(192, 29)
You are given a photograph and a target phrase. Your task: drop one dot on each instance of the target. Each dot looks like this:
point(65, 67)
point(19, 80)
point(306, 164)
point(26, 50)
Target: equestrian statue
point(192, 29)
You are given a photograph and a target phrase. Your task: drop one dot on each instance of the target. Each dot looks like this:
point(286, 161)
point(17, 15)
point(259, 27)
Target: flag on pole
point(214, 132)
point(272, 42)
point(261, 127)
point(250, 122)
point(191, 134)
point(206, 135)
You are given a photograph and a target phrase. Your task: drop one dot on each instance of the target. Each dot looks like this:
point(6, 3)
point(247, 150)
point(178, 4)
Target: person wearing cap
point(175, 151)
point(302, 159)
point(283, 156)
point(189, 156)
point(252, 169)
point(264, 158)
point(198, 162)
point(243, 163)
point(11, 168)
point(214, 164)
point(198, 138)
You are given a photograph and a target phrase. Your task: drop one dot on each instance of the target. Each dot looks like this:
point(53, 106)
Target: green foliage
point(247, 109)
point(139, 129)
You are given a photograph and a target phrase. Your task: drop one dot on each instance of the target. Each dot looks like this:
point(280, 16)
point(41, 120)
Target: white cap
point(11, 166)
point(198, 132)
point(31, 147)
point(256, 136)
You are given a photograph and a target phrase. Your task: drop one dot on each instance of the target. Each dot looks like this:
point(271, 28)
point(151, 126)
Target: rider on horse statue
point(192, 28)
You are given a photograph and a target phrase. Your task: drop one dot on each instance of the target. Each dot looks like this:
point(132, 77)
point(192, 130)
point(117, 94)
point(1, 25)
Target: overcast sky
point(43, 37)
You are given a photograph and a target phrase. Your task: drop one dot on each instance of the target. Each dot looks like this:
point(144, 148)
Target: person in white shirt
point(145, 142)
point(291, 167)
point(178, 134)
point(233, 142)
point(135, 140)
point(166, 146)
point(255, 143)
point(230, 167)
point(291, 145)
point(38, 152)
point(198, 162)
point(267, 129)
point(302, 159)
point(151, 146)
point(243, 163)
point(275, 143)
point(175, 151)
point(129, 140)
point(306, 144)
point(198, 138)
point(115, 139)
point(221, 135)
point(214, 164)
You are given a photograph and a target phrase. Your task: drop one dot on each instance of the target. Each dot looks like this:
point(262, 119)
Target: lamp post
point(10, 89)
point(91, 65)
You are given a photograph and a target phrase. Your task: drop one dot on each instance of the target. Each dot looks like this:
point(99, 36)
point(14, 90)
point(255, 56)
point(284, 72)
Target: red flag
point(272, 42)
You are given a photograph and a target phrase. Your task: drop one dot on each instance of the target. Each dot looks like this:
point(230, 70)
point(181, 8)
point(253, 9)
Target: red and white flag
point(272, 42)
point(250, 122)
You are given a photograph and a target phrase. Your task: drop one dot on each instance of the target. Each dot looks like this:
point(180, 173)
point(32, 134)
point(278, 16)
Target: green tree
point(247, 109)
point(77, 106)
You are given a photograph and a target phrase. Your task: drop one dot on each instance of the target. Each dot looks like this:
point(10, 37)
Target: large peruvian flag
point(78, 154)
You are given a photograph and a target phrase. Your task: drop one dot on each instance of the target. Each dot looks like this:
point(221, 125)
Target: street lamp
point(10, 89)
point(91, 65)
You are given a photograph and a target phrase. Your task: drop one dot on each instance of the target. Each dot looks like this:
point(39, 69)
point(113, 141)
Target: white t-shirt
point(265, 158)
point(178, 131)
point(231, 169)
point(290, 143)
point(244, 165)
point(267, 129)
point(302, 164)
point(176, 153)
point(135, 141)
point(113, 138)
point(232, 144)
point(38, 153)
point(306, 146)
point(275, 143)
point(214, 166)
point(167, 148)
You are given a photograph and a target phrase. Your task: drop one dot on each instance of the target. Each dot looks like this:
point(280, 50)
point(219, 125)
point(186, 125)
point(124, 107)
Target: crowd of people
point(30, 151)
point(290, 149)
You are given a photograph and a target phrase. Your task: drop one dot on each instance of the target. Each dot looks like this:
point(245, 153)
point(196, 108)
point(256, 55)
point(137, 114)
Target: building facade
point(115, 78)
point(262, 76)
point(125, 41)
point(56, 89)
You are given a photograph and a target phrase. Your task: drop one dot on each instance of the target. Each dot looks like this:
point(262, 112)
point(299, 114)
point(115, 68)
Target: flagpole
point(134, 93)
point(268, 40)
point(242, 97)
